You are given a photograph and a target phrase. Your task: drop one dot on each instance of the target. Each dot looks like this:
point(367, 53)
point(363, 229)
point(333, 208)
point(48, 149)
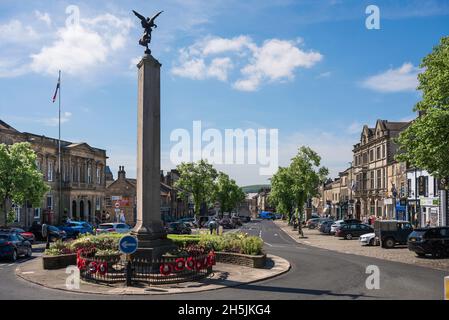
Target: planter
point(246, 260)
point(58, 262)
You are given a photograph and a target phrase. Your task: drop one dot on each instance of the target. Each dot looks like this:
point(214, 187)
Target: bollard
point(446, 288)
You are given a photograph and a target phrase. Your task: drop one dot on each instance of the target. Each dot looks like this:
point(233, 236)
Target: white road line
point(268, 244)
point(28, 272)
point(275, 234)
point(260, 234)
point(308, 242)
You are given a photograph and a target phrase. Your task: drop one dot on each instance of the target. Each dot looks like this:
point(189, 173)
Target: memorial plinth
point(149, 228)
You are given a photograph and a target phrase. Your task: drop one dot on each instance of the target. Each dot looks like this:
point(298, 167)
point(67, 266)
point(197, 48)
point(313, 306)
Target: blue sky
point(308, 68)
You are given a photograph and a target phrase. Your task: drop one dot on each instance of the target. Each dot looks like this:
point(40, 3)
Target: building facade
point(76, 189)
point(372, 157)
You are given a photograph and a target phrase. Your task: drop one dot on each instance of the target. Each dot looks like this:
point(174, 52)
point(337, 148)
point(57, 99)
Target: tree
point(281, 195)
point(20, 179)
point(425, 142)
point(228, 193)
point(197, 179)
point(307, 176)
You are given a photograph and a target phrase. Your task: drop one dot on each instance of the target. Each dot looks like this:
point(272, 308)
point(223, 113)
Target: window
point(372, 180)
point(50, 202)
point(38, 164)
point(98, 175)
point(17, 212)
point(97, 204)
point(371, 155)
point(384, 151)
point(37, 213)
point(50, 171)
point(89, 174)
point(378, 153)
point(379, 179)
point(409, 187)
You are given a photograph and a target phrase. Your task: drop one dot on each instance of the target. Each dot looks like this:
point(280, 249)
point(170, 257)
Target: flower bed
point(59, 261)
point(247, 249)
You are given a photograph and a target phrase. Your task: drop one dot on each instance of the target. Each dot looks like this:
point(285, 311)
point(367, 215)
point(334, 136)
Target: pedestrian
point(428, 224)
point(45, 234)
point(212, 226)
point(300, 230)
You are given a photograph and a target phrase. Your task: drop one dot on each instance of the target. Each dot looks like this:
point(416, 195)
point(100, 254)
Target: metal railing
point(166, 270)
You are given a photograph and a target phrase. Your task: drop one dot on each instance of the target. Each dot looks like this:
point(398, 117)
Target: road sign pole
point(128, 271)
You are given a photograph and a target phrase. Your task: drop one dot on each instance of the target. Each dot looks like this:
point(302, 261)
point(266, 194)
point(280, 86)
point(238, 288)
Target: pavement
point(224, 275)
point(315, 274)
point(398, 253)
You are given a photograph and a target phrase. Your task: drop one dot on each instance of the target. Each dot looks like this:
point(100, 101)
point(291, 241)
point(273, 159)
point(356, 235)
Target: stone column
point(149, 228)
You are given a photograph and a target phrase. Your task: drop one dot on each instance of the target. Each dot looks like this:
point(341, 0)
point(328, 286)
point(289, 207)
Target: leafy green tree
point(197, 179)
point(425, 143)
point(20, 180)
point(228, 193)
point(307, 175)
point(281, 195)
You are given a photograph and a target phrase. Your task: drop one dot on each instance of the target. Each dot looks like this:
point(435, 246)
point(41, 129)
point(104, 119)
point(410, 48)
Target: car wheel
point(389, 243)
point(14, 256)
point(438, 253)
point(29, 252)
point(348, 236)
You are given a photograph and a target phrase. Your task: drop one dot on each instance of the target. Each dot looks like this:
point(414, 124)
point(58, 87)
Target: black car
point(13, 245)
point(434, 241)
point(54, 232)
point(392, 232)
point(178, 228)
point(353, 230)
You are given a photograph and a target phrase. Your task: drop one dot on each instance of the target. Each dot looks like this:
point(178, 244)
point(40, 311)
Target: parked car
point(113, 227)
point(26, 234)
point(434, 241)
point(352, 230)
point(368, 239)
point(186, 220)
point(245, 219)
point(36, 230)
point(178, 228)
point(392, 232)
point(325, 226)
point(13, 245)
point(316, 222)
point(226, 223)
point(74, 228)
point(267, 215)
point(335, 225)
point(236, 221)
point(54, 233)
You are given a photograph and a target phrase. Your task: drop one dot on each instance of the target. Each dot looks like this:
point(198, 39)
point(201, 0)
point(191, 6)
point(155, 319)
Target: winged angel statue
point(148, 24)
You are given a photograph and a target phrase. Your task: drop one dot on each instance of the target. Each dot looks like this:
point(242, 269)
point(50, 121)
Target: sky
point(311, 69)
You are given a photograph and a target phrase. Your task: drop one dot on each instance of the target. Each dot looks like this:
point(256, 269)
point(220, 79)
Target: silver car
point(113, 227)
point(334, 227)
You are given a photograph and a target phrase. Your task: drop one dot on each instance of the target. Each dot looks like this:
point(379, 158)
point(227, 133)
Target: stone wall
point(242, 259)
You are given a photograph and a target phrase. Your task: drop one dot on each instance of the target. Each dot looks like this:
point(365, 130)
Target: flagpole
point(59, 151)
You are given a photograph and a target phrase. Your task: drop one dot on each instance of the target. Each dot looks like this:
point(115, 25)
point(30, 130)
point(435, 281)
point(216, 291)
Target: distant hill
point(255, 188)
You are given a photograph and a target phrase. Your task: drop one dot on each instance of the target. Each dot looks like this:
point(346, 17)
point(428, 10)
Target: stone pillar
point(149, 228)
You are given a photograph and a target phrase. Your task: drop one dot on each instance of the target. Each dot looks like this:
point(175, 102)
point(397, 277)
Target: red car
point(27, 235)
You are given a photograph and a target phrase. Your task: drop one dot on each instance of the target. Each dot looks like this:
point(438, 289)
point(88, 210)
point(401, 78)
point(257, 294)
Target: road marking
point(260, 234)
point(308, 242)
point(268, 244)
point(275, 234)
point(28, 272)
point(11, 264)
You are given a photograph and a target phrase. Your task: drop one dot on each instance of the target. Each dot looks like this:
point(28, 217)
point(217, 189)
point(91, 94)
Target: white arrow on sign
point(127, 244)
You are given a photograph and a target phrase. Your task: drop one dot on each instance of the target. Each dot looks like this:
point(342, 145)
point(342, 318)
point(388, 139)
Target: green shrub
point(182, 241)
point(252, 246)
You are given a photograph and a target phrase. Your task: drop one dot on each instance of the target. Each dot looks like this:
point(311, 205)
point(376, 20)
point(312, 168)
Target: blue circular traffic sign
point(128, 244)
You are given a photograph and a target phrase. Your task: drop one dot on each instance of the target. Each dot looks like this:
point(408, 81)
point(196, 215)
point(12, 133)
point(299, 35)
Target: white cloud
point(402, 79)
point(43, 16)
point(354, 128)
point(275, 60)
point(80, 48)
point(16, 32)
point(215, 57)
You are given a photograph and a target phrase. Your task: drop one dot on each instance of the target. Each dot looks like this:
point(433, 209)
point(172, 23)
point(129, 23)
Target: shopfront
point(401, 210)
point(430, 212)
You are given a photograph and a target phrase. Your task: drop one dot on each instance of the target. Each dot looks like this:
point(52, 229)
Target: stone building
point(371, 158)
point(82, 179)
point(120, 199)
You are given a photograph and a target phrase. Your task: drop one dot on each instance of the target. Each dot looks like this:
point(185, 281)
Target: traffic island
point(224, 275)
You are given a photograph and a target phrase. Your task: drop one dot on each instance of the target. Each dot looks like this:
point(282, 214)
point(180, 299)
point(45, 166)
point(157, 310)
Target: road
point(315, 274)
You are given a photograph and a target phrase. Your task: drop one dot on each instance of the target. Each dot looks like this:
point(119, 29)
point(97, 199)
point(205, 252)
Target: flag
point(57, 88)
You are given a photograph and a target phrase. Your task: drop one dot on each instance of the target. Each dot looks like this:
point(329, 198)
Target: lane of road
point(315, 274)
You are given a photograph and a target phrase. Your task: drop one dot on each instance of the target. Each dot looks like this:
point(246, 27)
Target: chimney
point(121, 173)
